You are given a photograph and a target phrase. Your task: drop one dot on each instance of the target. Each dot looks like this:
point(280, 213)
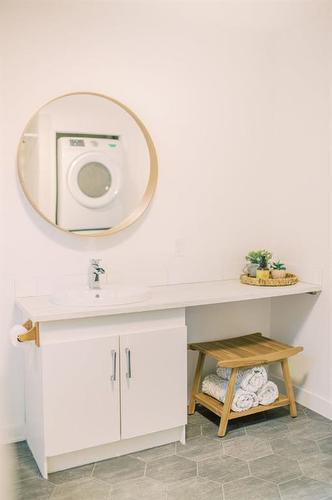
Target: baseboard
point(307, 398)
point(116, 449)
point(12, 433)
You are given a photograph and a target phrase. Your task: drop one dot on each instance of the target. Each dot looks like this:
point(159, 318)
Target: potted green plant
point(253, 258)
point(278, 270)
point(263, 271)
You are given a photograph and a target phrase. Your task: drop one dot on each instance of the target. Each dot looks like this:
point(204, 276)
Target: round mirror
point(87, 164)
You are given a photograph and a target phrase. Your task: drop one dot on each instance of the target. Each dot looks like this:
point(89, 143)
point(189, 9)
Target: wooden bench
point(241, 352)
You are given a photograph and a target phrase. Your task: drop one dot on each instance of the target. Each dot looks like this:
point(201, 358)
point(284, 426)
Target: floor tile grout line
point(223, 491)
point(320, 480)
point(233, 480)
point(109, 497)
point(279, 491)
point(266, 480)
point(53, 492)
point(322, 438)
point(305, 477)
point(290, 480)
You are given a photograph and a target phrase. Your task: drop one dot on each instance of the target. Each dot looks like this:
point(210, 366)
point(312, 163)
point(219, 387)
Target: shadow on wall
point(300, 320)
point(289, 315)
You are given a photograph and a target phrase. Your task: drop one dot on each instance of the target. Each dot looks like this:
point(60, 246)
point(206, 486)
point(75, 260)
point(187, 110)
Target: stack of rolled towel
point(252, 387)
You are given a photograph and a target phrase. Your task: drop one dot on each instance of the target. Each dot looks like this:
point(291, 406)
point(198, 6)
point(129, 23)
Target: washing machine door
point(94, 179)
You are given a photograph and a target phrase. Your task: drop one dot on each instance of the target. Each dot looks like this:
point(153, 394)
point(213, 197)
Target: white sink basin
point(107, 296)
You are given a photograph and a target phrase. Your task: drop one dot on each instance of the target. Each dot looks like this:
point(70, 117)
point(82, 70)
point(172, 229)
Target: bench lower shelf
point(217, 407)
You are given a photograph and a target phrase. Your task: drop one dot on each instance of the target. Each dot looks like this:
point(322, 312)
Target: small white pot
point(278, 273)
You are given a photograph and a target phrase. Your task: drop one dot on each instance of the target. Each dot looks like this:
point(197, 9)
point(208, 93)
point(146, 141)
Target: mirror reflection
point(87, 164)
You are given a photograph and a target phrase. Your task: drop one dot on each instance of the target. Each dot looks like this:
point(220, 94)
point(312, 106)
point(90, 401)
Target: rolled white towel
point(253, 379)
point(268, 393)
point(244, 400)
point(225, 373)
point(216, 387)
point(250, 379)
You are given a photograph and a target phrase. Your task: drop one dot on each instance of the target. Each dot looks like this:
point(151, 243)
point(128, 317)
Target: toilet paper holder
point(31, 334)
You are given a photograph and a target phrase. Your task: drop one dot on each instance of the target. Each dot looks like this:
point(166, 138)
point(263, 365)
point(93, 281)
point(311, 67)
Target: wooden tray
point(290, 279)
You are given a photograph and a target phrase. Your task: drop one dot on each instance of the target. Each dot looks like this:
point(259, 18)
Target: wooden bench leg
point(228, 403)
point(289, 387)
point(196, 382)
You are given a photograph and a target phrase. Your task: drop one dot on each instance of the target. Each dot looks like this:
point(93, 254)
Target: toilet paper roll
point(14, 332)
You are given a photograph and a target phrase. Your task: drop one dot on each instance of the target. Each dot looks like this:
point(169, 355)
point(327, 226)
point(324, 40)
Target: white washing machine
point(90, 178)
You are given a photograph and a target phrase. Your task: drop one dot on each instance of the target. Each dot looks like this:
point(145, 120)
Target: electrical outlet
point(180, 246)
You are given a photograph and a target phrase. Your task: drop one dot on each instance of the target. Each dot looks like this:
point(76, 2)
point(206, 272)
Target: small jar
point(262, 274)
point(251, 269)
point(278, 273)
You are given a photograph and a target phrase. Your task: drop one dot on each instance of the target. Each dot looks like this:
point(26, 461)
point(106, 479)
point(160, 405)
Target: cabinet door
point(153, 381)
point(81, 394)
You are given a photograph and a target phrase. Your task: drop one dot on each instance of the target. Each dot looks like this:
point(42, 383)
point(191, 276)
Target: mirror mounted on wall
point(87, 164)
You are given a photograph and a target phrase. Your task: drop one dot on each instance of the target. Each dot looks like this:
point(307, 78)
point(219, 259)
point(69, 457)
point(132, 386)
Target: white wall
point(308, 226)
point(302, 117)
point(235, 97)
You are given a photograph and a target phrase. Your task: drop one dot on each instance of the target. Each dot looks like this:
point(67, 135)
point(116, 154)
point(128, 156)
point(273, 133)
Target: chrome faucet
point(95, 270)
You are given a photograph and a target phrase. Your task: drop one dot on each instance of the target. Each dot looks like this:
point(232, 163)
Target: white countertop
point(163, 297)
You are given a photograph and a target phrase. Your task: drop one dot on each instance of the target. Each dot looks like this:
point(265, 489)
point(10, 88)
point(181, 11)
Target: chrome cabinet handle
point(128, 374)
point(113, 376)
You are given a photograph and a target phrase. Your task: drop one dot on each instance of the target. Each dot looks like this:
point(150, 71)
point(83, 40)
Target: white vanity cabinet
point(81, 401)
point(153, 396)
point(106, 386)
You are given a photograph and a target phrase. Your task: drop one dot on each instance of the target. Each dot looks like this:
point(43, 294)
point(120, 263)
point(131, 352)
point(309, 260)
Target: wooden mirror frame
point(150, 188)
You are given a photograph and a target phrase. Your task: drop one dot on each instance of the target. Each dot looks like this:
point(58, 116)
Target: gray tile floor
point(269, 456)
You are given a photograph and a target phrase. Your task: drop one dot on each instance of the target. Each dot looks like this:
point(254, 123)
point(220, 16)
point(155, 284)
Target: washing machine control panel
point(77, 142)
